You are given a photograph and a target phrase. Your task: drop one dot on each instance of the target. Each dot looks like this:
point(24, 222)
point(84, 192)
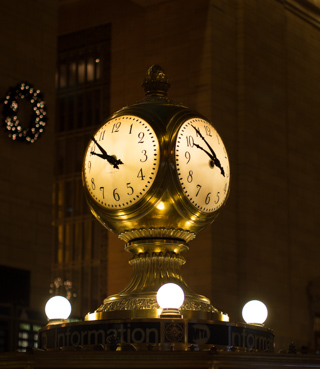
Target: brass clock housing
point(157, 227)
point(164, 210)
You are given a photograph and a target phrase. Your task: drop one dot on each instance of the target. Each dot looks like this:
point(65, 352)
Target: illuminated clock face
point(202, 165)
point(121, 162)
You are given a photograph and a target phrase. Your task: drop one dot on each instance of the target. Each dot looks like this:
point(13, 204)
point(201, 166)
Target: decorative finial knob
point(156, 81)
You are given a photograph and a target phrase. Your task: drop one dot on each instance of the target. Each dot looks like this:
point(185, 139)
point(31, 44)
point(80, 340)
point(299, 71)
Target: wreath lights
point(38, 118)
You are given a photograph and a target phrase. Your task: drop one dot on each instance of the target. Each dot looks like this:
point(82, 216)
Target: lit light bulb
point(58, 308)
point(170, 296)
point(254, 312)
point(225, 317)
point(160, 206)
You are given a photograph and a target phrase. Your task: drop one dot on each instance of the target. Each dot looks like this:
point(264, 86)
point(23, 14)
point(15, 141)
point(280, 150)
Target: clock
point(156, 169)
point(202, 165)
point(156, 173)
point(121, 162)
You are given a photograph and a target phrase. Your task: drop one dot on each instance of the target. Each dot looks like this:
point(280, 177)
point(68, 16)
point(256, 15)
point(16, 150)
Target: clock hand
point(110, 159)
point(214, 159)
point(211, 155)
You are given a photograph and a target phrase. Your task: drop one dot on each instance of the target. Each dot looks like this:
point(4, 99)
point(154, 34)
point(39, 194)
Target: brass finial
point(156, 81)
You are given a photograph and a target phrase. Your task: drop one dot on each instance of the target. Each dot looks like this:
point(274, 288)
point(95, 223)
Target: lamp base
point(171, 313)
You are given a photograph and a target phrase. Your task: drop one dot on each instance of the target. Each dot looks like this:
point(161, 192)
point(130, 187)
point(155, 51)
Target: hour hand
point(213, 158)
point(104, 155)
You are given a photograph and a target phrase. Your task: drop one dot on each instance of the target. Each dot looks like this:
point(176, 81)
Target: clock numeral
point(93, 185)
point(116, 196)
point(116, 127)
point(102, 190)
point(89, 166)
point(208, 131)
point(141, 136)
point(197, 129)
point(101, 135)
point(145, 156)
point(93, 149)
point(218, 198)
point(188, 156)
point(130, 130)
point(130, 188)
point(141, 175)
point(199, 188)
point(190, 176)
point(190, 141)
point(225, 188)
point(207, 199)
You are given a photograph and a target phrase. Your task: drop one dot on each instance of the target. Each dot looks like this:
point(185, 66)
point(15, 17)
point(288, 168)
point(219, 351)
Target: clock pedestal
point(156, 173)
point(155, 262)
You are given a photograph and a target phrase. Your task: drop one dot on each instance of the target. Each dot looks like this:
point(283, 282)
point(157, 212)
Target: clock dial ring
point(121, 162)
point(202, 165)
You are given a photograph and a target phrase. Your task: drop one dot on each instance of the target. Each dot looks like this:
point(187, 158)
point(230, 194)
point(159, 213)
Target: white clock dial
point(202, 165)
point(121, 162)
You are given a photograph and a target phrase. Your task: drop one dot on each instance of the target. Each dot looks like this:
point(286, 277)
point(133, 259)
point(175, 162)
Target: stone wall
point(252, 67)
point(28, 53)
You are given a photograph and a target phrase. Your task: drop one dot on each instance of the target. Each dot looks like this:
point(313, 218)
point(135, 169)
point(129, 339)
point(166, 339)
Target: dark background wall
point(252, 67)
point(28, 53)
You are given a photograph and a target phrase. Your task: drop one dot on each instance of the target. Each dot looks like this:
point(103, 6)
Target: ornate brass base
point(155, 262)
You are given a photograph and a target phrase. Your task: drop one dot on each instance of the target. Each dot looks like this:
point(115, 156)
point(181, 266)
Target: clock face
point(202, 165)
point(121, 162)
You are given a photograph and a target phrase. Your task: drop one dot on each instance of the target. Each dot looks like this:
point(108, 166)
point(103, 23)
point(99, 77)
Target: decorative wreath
point(10, 110)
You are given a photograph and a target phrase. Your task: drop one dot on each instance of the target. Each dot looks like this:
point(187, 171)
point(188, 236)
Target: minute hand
point(212, 155)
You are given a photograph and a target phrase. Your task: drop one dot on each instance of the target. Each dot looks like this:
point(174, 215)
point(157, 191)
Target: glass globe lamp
point(58, 308)
point(170, 298)
point(255, 312)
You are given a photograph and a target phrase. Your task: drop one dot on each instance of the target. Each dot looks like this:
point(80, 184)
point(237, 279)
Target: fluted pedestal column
point(155, 262)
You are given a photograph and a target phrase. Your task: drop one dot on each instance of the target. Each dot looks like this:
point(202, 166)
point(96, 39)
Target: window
point(28, 336)
point(83, 89)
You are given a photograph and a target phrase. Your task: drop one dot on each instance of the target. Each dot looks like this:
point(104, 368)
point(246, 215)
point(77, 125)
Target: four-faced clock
point(202, 165)
point(121, 162)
